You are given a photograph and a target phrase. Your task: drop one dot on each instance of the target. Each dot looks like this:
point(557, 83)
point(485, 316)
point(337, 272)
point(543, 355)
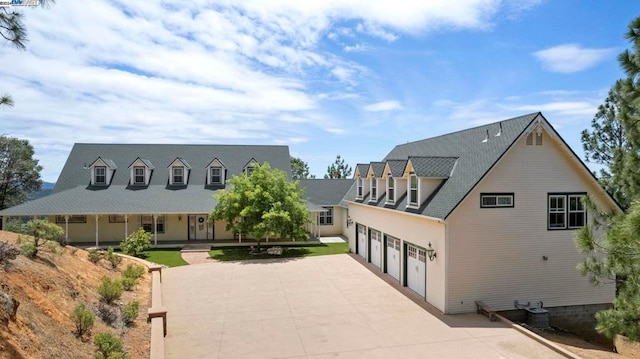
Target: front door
point(199, 227)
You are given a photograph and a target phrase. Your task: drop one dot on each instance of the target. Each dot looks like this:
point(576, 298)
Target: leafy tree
point(12, 29)
point(19, 171)
point(338, 169)
point(299, 168)
point(40, 231)
point(263, 205)
point(615, 257)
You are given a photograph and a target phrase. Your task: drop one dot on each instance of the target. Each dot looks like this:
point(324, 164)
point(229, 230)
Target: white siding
point(496, 254)
point(336, 228)
point(400, 189)
point(426, 188)
point(410, 228)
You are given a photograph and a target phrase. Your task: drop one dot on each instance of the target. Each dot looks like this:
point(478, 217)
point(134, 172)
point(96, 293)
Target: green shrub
point(29, 249)
point(94, 255)
point(133, 271)
point(110, 290)
point(130, 312)
point(128, 283)
point(136, 243)
point(83, 319)
point(108, 347)
point(113, 258)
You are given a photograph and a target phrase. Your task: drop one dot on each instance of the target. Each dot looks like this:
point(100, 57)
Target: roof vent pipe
point(500, 130)
point(486, 139)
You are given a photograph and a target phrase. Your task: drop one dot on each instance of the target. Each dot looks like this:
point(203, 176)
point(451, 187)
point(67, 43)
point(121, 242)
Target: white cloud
point(570, 58)
point(356, 48)
point(383, 106)
point(377, 31)
point(335, 131)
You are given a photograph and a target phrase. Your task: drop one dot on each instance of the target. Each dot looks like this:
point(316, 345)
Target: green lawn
point(243, 253)
point(168, 257)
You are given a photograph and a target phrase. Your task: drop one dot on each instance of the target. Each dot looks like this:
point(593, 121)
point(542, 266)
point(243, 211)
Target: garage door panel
point(393, 257)
point(376, 247)
point(362, 240)
point(416, 269)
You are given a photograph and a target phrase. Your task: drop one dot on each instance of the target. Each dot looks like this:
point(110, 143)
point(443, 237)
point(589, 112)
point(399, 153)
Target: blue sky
point(328, 77)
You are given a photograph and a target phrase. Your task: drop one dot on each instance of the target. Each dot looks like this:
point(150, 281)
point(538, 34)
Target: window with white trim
point(215, 175)
point(566, 211)
point(359, 188)
point(100, 175)
point(391, 182)
point(326, 218)
point(413, 190)
point(496, 200)
point(138, 175)
point(178, 175)
point(72, 219)
point(374, 189)
point(147, 223)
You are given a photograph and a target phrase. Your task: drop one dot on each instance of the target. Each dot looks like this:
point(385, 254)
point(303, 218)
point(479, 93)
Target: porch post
point(155, 230)
point(97, 240)
point(66, 229)
point(126, 226)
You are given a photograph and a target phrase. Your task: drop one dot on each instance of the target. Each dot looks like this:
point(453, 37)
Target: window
point(537, 137)
point(326, 218)
point(215, 174)
point(178, 175)
point(566, 211)
point(413, 190)
point(116, 218)
point(147, 223)
point(390, 187)
point(374, 189)
point(249, 170)
point(496, 200)
point(138, 175)
point(100, 175)
point(359, 185)
point(72, 219)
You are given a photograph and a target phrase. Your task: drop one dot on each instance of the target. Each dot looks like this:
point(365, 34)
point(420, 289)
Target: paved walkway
point(197, 257)
point(318, 307)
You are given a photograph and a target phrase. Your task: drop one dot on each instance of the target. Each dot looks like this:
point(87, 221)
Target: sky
point(332, 77)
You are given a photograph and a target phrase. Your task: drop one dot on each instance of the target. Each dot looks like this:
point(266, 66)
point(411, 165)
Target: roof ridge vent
point(486, 139)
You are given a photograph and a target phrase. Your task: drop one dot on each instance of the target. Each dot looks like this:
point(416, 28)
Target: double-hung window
point(390, 190)
point(326, 218)
point(374, 189)
point(147, 223)
point(216, 175)
point(359, 187)
point(413, 190)
point(178, 175)
point(138, 175)
point(566, 211)
point(100, 175)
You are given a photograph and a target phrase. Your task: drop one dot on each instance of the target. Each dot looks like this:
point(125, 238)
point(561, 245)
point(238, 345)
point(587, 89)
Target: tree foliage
point(12, 29)
point(299, 168)
point(263, 205)
point(19, 171)
point(338, 169)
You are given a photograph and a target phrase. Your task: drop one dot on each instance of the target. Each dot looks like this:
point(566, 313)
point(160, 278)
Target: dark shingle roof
point(475, 158)
point(325, 192)
point(378, 169)
point(74, 195)
point(363, 169)
point(433, 167)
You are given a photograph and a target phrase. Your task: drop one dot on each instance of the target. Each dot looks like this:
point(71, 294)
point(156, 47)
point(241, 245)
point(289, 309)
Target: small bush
point(9, 252)
point(94, 255)
point(108, 314)
point(108, 347)
point(128, 283)
point(130, 312)
point(83, 319)
point(133, 271)
point(8, 307)
point(54, 248)
point(110, 290)
point(136, 243)
point(113, 258)
point(29, 249)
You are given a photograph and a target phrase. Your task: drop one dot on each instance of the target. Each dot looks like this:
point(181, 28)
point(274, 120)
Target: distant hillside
point(45, 190)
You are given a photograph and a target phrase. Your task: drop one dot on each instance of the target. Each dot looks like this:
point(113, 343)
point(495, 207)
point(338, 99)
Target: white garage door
point(362, 240)
point(376, 247)
point(393, 257)
point(416, 269)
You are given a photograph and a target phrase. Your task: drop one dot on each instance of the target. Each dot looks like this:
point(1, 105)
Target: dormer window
point(179, 172)
point(249, 170)
point(413, 190)
point(359, 188)
point(391, 183)
point(100, 175)
point(178, 175)
point(250, 166)
point(139, 175)
point(101, 172)
point(216, 171)
point(374, 190)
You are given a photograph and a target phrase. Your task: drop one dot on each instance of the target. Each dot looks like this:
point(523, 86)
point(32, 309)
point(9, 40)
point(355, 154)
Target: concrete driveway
point(318, 307)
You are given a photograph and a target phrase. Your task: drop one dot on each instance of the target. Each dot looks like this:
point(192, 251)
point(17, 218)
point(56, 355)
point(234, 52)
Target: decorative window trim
point(116, 218)
point(175, 177)
point(72, 219)
point(413, 202)
point(580, 213)
point(374, 190)
point(136, 175)
point(103, 176)
point(326, 218)
point(492, 200)
point(391, 190)
point(219, 175)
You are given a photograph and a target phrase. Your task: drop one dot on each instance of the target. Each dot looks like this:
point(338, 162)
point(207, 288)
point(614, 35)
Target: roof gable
point(142, 162)
point(179, 162)
point(432, 167)
point(103, 162)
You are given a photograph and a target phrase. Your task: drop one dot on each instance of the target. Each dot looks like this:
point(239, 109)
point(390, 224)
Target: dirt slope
point(48, 288)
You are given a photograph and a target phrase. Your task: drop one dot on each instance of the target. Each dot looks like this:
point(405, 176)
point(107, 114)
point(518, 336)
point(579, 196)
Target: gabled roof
point(214, 161)
point(184, 162)
point(108, 163)
point(325, 191)
point(145, 161)
point(378, 169)
point(433, 167)
point(396, 167)
point(362, 169)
